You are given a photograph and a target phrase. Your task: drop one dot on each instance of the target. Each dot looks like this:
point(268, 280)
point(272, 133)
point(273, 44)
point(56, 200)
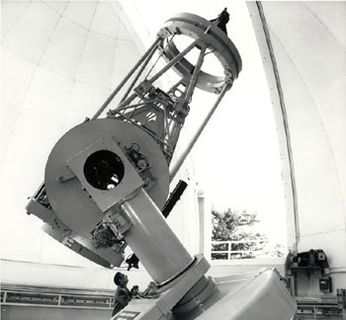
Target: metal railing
point(52, 297)
point(238, 249)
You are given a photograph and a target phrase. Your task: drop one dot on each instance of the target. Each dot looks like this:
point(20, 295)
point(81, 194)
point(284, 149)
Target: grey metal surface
point(69, 201)
point(207, 33)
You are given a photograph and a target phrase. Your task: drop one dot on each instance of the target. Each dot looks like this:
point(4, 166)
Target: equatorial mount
point(107, 179)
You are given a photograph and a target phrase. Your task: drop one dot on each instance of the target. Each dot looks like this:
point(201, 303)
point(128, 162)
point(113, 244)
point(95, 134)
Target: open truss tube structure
point(144, 111)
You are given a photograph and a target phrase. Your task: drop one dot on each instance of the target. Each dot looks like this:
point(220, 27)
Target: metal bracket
point(105, 199)
point(66, 174)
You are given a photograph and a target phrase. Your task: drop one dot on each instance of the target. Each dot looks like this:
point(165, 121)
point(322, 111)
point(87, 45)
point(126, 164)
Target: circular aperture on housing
point(104, 170)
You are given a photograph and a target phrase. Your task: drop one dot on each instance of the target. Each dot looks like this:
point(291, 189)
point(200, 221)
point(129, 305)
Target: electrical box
point(325, 283)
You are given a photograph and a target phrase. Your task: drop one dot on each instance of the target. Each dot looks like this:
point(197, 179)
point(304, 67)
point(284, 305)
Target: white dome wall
point(308, 41)
point(60, 61)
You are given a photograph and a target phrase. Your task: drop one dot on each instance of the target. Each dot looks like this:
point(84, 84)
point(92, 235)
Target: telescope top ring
point(209, 35)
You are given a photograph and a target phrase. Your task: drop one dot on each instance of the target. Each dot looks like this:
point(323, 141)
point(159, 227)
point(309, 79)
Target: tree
point(232, 225)
point(226, 224)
